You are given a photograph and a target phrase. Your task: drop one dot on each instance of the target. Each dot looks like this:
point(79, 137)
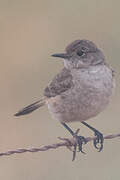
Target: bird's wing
point(61, 83)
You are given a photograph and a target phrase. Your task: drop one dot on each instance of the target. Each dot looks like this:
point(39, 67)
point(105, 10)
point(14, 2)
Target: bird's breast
point(90, 94)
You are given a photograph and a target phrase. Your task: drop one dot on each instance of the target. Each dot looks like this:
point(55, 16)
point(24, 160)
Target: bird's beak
point(61, 55)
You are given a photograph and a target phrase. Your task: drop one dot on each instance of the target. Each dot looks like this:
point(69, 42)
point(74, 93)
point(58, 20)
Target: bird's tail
point(31, 107)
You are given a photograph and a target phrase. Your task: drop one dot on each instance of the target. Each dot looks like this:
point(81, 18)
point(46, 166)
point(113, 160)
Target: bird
point(81, 90)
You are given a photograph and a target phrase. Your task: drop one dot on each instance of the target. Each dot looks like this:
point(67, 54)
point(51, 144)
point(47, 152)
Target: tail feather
point(30, 108)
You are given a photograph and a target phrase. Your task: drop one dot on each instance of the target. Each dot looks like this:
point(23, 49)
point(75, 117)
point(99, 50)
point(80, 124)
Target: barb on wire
point(69, 143)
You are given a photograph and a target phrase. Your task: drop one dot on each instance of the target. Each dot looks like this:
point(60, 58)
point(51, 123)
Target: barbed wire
point(69, 143)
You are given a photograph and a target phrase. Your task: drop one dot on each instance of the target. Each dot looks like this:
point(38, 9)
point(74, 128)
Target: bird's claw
point(80, 141)
point(98, 140)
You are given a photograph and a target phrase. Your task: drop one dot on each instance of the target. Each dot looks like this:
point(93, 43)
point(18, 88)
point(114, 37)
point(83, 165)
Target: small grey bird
point(80, 91)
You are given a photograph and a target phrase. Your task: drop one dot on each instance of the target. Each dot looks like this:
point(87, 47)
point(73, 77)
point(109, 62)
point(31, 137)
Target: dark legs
point(99, 137)
point(80, 139)
point(67, 127)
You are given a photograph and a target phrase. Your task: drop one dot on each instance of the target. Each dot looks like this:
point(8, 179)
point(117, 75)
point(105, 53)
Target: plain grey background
point(30, 31)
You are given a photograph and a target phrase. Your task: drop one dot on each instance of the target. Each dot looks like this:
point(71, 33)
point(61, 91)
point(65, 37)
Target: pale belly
point(89, 97)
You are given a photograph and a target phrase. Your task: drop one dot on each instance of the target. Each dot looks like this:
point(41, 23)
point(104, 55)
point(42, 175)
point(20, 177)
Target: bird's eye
point(80, 53)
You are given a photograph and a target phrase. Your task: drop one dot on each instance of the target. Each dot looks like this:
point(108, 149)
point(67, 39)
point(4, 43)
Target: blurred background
point(30, 31)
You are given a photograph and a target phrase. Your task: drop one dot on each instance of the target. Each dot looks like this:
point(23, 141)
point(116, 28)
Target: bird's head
point(81, 54)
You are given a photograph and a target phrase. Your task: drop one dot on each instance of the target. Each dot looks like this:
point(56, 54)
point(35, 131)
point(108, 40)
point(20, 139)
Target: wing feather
point(61, 83)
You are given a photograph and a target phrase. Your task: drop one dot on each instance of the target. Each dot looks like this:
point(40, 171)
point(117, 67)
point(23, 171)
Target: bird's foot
point(98, 141)
point(80, 140)
point(76, 142)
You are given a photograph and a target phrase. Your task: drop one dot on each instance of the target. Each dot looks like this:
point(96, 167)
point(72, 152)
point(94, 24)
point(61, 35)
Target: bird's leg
point(80, 139)
point(99, 137)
